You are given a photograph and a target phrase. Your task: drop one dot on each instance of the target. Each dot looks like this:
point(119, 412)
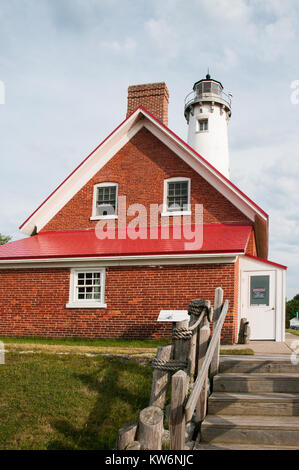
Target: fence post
point(195, 309)
point(179, 386)
point(181, 345)
point(218, 303)
point(150, 428)
point(126, 435)
point(203, 342)
point(161, 378)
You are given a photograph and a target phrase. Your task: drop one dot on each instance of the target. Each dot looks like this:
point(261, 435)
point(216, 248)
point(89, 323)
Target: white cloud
point(164, 36)
point(128, 46)
point(227, 10)
point(276, 38)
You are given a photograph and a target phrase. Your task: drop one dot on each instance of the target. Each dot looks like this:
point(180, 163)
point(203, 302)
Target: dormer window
point(177, 196)
point(105, 201)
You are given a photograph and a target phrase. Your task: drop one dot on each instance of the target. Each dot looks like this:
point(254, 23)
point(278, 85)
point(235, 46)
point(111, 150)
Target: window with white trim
point(105, 201)
point(202, 125)
point(87, 288)
point(177, 196)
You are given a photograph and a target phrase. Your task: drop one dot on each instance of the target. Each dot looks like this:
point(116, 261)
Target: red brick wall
point(32, 301)
point(140, 169)
point(153, 97)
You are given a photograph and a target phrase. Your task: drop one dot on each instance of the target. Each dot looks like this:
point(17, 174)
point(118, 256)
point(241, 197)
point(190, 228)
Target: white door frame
point(262, 317)
point(258, 266)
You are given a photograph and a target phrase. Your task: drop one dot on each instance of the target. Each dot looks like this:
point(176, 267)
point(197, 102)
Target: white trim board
point(121, 261)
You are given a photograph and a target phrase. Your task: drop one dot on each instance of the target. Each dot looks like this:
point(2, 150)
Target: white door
point(258, 303)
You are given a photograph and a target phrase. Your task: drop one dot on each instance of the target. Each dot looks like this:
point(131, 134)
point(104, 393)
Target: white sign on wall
point(173, 315)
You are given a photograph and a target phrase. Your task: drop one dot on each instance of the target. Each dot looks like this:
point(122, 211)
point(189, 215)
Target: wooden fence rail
point(210, 355)
point(194, 354)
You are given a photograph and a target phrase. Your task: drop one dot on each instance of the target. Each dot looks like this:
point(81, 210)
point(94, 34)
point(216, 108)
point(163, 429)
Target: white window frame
point(200, 119)
point(166, 212)
point(84, 303)
point(95, 216)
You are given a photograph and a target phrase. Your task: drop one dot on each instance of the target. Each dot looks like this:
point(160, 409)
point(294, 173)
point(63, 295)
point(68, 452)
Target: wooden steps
point(254, 405)
point(263, 404)
point(265, 430)
point(257, 365)
point(230, 446)
point(260, 383)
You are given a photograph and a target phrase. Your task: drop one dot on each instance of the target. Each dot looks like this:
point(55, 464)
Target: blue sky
point(66, 66)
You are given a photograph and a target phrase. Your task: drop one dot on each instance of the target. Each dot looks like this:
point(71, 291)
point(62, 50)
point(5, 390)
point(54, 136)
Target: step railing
point(210, 365)
point(193, 355)
point(190, 404)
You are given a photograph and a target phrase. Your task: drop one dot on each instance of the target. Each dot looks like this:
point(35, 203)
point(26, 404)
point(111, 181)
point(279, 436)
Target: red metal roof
point(217, 238)
point(282, 266)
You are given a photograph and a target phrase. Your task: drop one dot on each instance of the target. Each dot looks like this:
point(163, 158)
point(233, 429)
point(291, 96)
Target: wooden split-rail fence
point(188, 365)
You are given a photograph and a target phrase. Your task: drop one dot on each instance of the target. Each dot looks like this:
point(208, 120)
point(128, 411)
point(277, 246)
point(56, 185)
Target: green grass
point(118, 342)
point(294, 332)
point(237, 352)
point(68, 402)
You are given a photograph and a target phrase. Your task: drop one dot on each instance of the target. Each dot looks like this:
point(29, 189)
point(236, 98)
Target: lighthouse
point(207, 111)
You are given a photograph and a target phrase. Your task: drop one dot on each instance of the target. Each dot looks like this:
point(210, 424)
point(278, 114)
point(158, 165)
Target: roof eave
point(149, 257)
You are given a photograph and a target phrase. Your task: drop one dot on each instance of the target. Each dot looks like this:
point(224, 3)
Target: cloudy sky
point(66, 66)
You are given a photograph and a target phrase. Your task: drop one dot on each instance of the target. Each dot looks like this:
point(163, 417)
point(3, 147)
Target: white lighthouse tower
point(207, 111)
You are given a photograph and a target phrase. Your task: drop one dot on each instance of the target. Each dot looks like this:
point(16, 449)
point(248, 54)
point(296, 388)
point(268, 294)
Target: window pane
point(177, 196)
point(203, 125)
point(259, 290)
point(106, 200)
point(89, 286)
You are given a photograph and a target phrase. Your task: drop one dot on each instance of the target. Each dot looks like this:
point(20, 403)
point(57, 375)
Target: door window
point(259, 290)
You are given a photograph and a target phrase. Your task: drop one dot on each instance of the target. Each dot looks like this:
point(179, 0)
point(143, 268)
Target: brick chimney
point(153, 96)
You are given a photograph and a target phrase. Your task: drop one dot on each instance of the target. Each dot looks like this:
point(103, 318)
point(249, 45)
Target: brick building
point(103, 256)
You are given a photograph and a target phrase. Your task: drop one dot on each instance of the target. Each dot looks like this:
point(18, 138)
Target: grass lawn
point(294, 332)
point(50, 401)
point(118, 342)
point(237, 352)
point(64, 400)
